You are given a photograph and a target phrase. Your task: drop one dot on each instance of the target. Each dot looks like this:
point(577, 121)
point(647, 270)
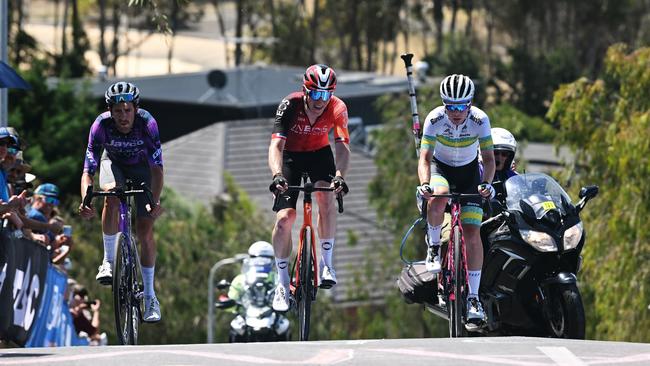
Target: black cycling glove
point(278, 180)
point(340, 182)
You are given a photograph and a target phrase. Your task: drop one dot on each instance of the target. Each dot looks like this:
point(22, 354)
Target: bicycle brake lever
point(339, 199)
point(89, 196)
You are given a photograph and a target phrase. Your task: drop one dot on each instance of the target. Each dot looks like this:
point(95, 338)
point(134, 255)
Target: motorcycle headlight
point(539, 240)
point(572, 236)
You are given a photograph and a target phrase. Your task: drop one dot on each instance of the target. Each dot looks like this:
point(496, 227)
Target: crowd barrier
point(33, 307)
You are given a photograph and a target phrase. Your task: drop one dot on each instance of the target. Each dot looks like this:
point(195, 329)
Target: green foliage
point(606, 123)
point(523, 126)
point(189, 240)
point(54, 121)
point(533, 78)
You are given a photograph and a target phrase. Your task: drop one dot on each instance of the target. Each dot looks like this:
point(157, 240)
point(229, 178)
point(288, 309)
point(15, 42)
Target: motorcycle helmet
point(503, 140)
point(260, 261)
point(261, 249)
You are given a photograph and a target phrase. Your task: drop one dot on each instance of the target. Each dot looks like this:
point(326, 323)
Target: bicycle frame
point(306, 224)
point(449, 258)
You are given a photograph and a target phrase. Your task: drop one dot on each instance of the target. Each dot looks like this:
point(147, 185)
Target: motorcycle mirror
point(225, 304)
point(588, 192)
point(223, 284)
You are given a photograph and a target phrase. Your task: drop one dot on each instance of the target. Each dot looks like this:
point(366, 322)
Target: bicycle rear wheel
point(123, 282)
point(457, 305)
point(306, 286)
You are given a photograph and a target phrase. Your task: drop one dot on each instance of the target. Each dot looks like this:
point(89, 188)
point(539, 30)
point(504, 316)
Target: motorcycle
point(532, 256)
point(255, 319)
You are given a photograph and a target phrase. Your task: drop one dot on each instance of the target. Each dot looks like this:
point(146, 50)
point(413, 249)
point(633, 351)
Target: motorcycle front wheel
point(565, 313)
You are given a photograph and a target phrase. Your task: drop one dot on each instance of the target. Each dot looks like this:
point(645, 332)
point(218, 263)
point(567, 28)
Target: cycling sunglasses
point(51, 200)
point(457, 107)
point(119, 98)
point(320, 94)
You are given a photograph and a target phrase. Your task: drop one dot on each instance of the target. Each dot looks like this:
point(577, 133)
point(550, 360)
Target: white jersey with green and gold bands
point(456, 145)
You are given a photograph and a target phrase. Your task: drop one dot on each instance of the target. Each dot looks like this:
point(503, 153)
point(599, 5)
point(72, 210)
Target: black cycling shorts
point(111, 173)
point(319, 165)
point(461, 179)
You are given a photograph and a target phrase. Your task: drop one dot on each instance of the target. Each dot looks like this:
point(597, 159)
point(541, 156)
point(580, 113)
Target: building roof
point(251, 86)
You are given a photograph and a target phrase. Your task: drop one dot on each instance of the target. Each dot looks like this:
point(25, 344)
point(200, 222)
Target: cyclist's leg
point(141, 173)
point(281, 235)
point(435, 216)
point(321, 171)
point(110, 175)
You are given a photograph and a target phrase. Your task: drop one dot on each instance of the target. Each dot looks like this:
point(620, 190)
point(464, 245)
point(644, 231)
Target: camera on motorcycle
point(223, 284)
point(588, 192)
point(225, 304)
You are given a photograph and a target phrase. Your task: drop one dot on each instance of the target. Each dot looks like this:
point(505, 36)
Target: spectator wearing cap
point(46, 197)
point(7, 140)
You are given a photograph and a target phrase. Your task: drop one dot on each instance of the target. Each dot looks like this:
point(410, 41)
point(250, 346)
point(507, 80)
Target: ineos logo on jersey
point(282, 107)
point(309, 130)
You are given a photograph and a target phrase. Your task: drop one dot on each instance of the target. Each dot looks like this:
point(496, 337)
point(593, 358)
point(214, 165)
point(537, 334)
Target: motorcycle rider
point(505, 148)
point(260, 259)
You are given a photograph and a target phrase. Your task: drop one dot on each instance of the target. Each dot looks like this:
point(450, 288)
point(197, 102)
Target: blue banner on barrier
point(54, 326)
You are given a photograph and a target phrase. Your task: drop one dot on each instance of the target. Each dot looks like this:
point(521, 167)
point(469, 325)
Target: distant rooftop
point(251, 86)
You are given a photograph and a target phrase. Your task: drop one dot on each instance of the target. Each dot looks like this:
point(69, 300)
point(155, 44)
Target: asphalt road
point(438, 351)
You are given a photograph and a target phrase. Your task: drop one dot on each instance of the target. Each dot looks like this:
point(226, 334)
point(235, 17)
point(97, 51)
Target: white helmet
point(457, 88)
point(261, 249)
point(503, 140)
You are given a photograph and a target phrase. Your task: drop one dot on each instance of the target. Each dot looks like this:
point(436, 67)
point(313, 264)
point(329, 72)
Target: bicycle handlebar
point(120, 193)
point(309, 188)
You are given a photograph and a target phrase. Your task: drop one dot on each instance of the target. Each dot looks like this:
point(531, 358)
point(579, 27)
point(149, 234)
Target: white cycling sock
point(434, 235)
point(147, 279)
point(474, 283)
point(327, 247)
point(109, 247)
point(282, 264)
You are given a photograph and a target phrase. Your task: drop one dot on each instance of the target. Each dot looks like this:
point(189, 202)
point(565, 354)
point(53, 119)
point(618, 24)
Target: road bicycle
point(128, 290)
point(304, 283)
point(452, 279)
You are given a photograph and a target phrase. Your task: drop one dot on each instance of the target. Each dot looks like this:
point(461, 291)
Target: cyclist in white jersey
point(448, 162)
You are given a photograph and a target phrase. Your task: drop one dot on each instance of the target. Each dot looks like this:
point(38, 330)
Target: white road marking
point(562, 356)
point(456, 356)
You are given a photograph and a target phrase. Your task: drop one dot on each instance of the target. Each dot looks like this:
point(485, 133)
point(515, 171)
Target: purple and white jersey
point(139, 145)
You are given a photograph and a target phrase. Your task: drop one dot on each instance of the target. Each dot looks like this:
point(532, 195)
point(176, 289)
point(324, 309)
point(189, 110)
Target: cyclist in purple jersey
point(124, 144)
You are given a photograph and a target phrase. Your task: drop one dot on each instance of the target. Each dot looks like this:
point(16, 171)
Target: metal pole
point(215, 267)
point(4, 35)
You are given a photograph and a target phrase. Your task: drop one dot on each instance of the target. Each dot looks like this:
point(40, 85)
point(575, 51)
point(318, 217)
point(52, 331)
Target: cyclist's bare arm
point(424, 165)
point(275, 155)
point(157, 181)
point(86, 181)
point(489, 166)
point(342, 158)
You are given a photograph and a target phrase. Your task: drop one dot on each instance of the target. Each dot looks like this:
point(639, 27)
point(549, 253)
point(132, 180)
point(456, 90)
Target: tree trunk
point(222, 28)
point(103, 56)
point(438, 18)
point(57, 4)
point(174, 28)
point(489, 23)
point(469, 6)
point(239, 27)
point(64, 37)
point(454, 11)
point(355, 42)
point(19, 28)
point(115, 46)
point(314, 32)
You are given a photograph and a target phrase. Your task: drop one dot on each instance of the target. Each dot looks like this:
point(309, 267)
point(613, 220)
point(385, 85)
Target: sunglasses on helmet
point(320, 94)
point(457, 107)
point(120, 98)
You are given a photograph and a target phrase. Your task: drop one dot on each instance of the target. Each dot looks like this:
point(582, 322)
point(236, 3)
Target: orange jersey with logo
point(292, 124)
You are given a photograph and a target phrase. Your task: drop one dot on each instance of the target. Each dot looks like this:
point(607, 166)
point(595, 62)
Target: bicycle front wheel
point(306, 285)
point(457, 305)
point(122, 285)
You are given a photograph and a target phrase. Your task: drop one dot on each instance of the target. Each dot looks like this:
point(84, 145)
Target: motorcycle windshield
point(532, 186)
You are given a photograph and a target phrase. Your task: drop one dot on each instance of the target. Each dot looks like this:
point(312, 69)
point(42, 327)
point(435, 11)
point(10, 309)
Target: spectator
point(62, 243)
point(17, 175)
point(85, 315)
point(46, 197)
point(6, 141)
